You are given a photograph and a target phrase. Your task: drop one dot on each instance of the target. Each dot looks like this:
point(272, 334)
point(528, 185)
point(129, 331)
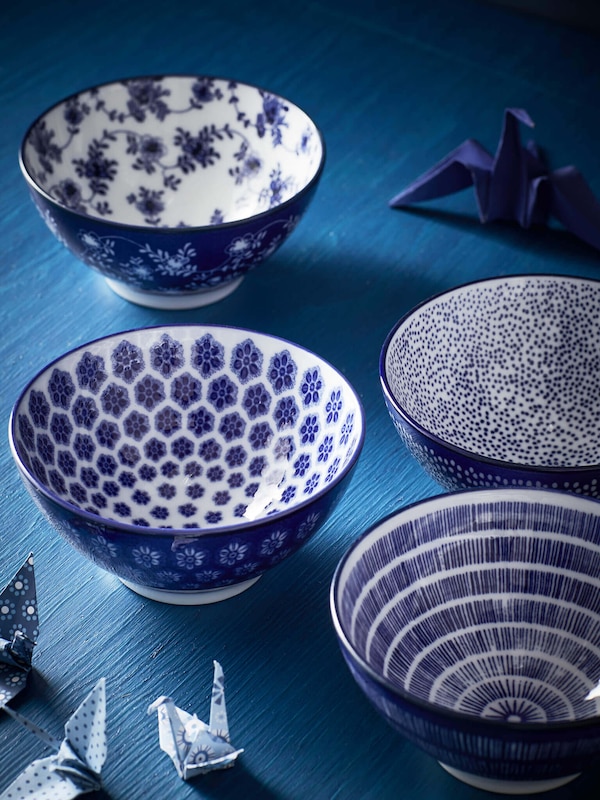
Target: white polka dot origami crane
point(18, 631)
point(195, 747)
point(514, 184)
point(74, 767)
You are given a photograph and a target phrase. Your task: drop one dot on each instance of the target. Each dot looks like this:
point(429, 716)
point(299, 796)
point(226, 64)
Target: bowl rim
point(559, 497)
point(169, 230)
point(462, 452)
point(205, 533)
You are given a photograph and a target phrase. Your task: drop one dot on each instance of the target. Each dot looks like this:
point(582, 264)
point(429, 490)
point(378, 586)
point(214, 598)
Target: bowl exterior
point(455, 470)
point(173, 261)
point(172, 184)
point(472, 747)
point(188, 561)
point(187, 457)
point(470, 621)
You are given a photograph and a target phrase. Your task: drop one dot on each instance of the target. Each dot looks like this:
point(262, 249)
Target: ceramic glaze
point(187, 458)
point(472, 622)
point(497, 382)
point(173, 187)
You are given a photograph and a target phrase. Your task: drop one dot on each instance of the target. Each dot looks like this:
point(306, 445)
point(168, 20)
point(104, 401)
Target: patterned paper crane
point(74, 767)
point(195, 747)
point(18, 631)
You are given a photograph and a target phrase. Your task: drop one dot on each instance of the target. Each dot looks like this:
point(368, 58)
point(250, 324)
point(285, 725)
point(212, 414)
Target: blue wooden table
point(393, 86)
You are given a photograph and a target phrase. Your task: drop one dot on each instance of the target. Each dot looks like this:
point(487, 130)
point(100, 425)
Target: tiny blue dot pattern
point(498, 383)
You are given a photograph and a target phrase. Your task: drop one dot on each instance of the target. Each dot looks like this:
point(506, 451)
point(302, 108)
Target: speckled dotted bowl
point(471, 621)
point(497, 383)
point(173, 186)
point(187, 459)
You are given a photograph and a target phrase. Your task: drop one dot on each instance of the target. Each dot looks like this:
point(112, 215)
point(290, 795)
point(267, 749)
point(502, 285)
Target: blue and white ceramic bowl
point(173, 186)
point(497, 383)
point(471, 621)
point(187, 459)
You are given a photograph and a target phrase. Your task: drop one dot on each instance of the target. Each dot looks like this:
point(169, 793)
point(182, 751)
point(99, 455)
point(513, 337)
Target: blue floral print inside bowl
point(173, 187)
point(187, 459)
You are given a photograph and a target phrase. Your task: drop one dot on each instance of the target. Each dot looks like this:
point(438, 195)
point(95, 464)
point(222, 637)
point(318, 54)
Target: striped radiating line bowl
point(472, 622)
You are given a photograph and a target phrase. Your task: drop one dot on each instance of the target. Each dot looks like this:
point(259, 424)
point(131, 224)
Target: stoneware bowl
point(187, 459)
point(497, 383)
point(172, 187)
point(472, 622)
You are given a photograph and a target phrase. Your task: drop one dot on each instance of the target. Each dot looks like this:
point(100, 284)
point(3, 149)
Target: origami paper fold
point(514, 184)
point(195, 747)
point(18, 631)
point(75, 766)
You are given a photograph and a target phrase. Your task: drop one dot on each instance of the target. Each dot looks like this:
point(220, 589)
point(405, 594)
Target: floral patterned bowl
point(496, 383)
point(471, 621)
point(187, 459)
point(173, 187)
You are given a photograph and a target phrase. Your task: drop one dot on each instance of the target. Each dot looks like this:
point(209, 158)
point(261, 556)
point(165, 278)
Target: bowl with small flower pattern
point(187, 459)
point(497, 383)
point(173, 187)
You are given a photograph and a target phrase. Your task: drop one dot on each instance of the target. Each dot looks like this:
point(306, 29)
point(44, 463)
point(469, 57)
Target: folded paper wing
point(514, 184)
point(18, 631)
point(195, 747)
point(75, 766)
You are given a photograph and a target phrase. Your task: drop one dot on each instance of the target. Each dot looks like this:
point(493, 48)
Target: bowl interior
point(508, 369)
point(489, 607)
point(172, 151)
point(187, 427)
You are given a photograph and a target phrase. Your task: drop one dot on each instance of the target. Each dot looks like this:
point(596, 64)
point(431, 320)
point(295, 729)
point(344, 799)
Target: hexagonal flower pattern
point(190, 429)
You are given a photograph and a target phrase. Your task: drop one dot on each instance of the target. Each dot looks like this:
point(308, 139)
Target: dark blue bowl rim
point(206, 533)
point(449, 714)
point(461, 452)
point(169, 231)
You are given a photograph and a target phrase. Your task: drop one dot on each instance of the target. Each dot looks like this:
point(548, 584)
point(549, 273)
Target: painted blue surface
point(393, 87)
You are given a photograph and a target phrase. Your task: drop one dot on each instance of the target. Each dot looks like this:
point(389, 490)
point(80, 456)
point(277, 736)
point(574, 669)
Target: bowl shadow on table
point(237, 781)
point(310, 665)
point(552, 242)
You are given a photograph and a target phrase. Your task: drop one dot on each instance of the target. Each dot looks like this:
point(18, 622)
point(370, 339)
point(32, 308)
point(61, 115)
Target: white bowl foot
point(173, 302)
point(201, 597)
point(508, 787)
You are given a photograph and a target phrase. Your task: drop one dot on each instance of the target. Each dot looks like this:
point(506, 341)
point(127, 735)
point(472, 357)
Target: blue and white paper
point(18, 631)
point(195, 747)
point(74, 768)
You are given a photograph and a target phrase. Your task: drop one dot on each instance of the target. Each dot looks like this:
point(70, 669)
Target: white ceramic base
point(190, 598)
point(173, 302)
point(508, 787)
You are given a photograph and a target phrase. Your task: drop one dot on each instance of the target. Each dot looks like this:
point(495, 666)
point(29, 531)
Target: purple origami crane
point(514, 184)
